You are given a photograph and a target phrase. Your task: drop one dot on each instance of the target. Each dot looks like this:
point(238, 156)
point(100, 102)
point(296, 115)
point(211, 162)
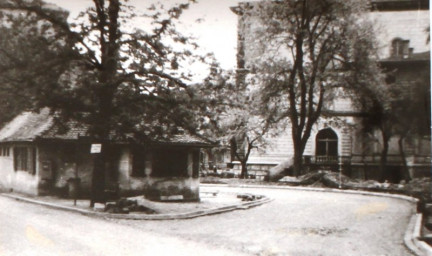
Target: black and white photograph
point(215, 127)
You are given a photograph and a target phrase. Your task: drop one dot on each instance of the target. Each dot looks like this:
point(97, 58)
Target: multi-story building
point(337, 141)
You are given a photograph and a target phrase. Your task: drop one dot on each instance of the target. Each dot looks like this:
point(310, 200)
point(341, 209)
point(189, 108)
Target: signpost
point(98, 174)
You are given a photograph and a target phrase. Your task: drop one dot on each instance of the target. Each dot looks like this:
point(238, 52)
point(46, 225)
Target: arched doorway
point(326, 146)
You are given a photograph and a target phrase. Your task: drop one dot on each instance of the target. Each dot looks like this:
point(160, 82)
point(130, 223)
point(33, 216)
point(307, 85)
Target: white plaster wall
point(19, 181)
point(278, 149)
point(281, 148)
point(409, 25)
point(25, 182)
point(6, 172)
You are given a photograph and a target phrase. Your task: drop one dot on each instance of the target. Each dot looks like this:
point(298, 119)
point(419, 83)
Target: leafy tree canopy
point(302, 53)
point(233, 114)
point(99, 70)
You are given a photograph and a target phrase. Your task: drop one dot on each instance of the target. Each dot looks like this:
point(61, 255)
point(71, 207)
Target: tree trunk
point(405, 171)
point(98, 178)
point(298, 157)
point(244, 171)
point(101, 126)
point(298, 161)
point(383, 159)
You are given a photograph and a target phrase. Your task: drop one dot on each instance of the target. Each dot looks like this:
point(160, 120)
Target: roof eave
point(180, 144)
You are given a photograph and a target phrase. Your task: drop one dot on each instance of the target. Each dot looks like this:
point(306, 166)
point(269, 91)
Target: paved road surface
point(28, 229)
point(295, 223)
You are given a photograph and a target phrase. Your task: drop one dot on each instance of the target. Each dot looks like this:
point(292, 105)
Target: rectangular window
point(400, 48)
point(24, 159)
point(170, 163)
point(4, 151)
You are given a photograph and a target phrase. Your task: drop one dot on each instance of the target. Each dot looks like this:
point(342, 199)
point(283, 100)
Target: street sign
point(95, 148)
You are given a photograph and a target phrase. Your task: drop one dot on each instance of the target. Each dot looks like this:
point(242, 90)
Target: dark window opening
point(170, 163)
point(400, 48)
point(138, 163)
point(326, 143)
point(24, 159)
point(4, 151)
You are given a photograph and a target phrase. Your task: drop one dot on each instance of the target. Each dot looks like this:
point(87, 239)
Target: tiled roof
point(29, 126)
point(73, 131)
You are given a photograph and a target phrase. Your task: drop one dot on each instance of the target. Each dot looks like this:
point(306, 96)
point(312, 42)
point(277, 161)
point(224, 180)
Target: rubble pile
point(418, 187)
point(125, 206)
point(304, 180)
point(249, 197)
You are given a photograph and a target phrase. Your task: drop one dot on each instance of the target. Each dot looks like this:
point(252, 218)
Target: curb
point(412, 233)
point(332, 190)
point(412, 236)
point(176, 216)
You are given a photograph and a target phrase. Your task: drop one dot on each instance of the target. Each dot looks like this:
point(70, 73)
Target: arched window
point(326, 143)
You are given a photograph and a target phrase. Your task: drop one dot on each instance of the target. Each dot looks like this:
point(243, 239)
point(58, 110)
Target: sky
point(217, 32)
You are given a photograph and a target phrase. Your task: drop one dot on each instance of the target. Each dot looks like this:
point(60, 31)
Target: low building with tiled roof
point(37, 156)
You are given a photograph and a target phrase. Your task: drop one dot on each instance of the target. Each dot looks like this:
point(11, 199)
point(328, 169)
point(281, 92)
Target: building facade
point(37, 159)
point(337, 141)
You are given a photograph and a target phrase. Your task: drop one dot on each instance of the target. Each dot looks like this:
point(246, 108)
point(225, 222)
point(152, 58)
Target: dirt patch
point(419, 188)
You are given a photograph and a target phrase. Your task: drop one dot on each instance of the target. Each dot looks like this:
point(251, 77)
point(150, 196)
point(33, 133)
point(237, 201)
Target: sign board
point(95, 148)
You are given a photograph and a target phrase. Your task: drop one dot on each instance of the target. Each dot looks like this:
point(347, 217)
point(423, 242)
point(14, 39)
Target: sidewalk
point(212, 202)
